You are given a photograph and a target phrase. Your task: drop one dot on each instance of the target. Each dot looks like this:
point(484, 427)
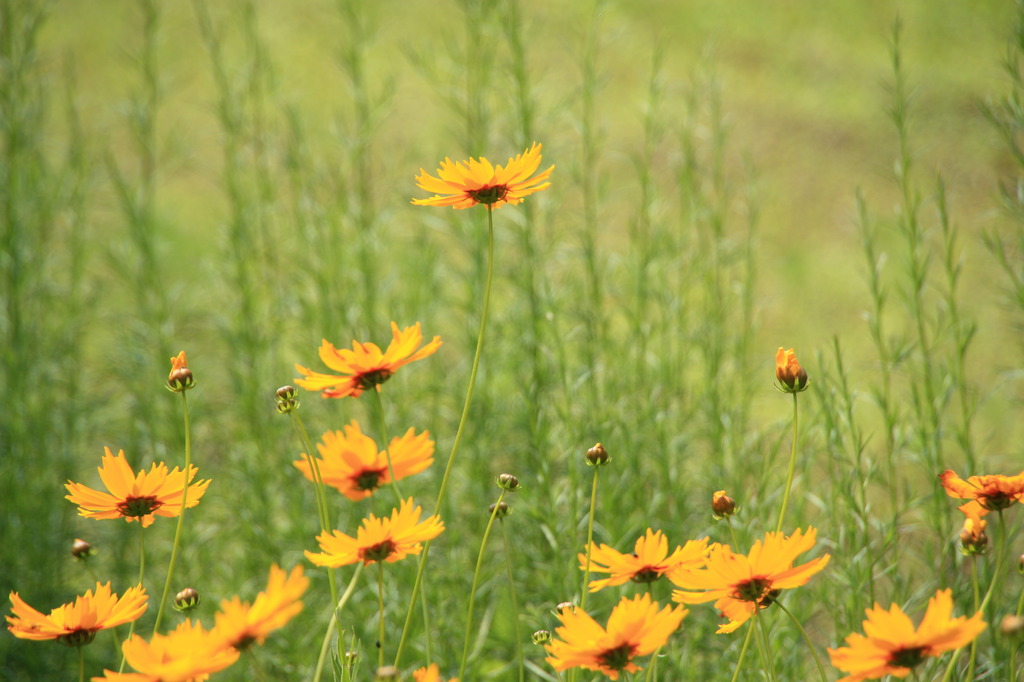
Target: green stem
point(339, 605)
point(792, 468)
point(743, 653)
point(387, 446)
point(380, 603)
point(977, 599)
point(81, 664)
point(142, 572)
point(458, 433)
point(179, 530)
point(319, 492)
point(807, 640)
point(515, 602)
point(590, 538)
point(763, 644)
point(472, 589)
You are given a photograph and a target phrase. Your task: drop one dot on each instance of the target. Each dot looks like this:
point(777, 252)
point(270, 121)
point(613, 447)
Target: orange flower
point(468, 183)
point(188, 653)
point(973, 539)
point(649, 561)
point(792, 377)
point(180, 379)
point(892, 645)
point(635, 628)
point(351, 462)
point(77, 624)
point(992, 492)
point(365, 366)
point(740, 584)
point(239, 624)
point(135, 497)
point(388, 539)
point(430, 674)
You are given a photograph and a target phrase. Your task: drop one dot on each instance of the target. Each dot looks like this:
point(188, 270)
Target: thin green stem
point(339, 605)
point(763, 643)
point(792, 468)
point(515, 602)
point(142, 572)
point(380, 604)
point(386, 445)
point(476, 579)
point(732, 532)
point(743, 653)
point(81, 664)
point(319, 491)
point(976, 587)
point(807, 640)
point(590, 538)
point(179, 531)
point(458, 433)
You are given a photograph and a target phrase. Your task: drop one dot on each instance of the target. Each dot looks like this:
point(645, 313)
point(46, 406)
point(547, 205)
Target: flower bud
point(285, 399)
point(1020, 564)
point(1012, 627)
point(186, 600)
point(502, 512)
point(792, 377)
point(722, 505)
point(973, 540)
point(180, 379)
point(388, 672)
point(565, 605)
point(82, 550)
point(597, 456)
point(508, 482)
point(541, 637)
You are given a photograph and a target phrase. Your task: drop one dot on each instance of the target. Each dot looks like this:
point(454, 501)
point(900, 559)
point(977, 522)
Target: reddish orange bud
point(722, 505)
point(180, 379)
point(792, 377)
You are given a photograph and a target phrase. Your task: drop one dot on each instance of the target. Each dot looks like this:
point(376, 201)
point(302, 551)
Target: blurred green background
point(233, 179)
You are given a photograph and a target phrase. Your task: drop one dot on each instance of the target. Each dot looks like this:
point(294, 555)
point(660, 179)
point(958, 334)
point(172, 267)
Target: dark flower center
point(995, 501)
point(368, 479)
point(488, 195)
point(769, 598)
point(376, 377)
point(906, 658)
point(752, 590)
point(617, 658)
point(244, 642)
point(139, 506)
point(379, 552)
point(646, 575)
point(77, 638)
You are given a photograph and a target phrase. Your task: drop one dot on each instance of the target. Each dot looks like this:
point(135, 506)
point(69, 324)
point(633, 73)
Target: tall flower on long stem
point(77, 623)
point(792, 379)
point(387, 539)
point(742, 584)
point(636, 627)
point(467, 184)
point(649, 560)
point(992, 492)
point(187, 653)
point(351, 462)
point(366, 366)
point(891, 645)
point(136, 497)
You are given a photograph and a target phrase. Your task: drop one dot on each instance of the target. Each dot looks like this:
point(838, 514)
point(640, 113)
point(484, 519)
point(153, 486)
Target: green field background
point(234, 179)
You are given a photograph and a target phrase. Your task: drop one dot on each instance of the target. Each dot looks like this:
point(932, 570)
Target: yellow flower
point(792, 377)
point(993, 492)
point(188, 653)
point(430, 674)
point(135, 497)
point(635, 628)
point(476, 181)
point(239, 624)
point(386, 539)
point(351, 462)
point(892, 645)
point(740, 584)
point(77, 623)
point(649, 561)
point(365, 366)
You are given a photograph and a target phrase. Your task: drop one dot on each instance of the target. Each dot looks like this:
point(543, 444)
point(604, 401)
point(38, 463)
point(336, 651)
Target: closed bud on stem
point(722, 506)
point(508, 482)
point(502, 512)
point(388, 672)
point(80, 549)
point(598, 456)
point(1020, 564)
point(186, 600)
point(973, 540)
point(541, 637)
point(561, 608)
point(1012, 627)
point(792, 377)
point(180, 379)
point(285, 399)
